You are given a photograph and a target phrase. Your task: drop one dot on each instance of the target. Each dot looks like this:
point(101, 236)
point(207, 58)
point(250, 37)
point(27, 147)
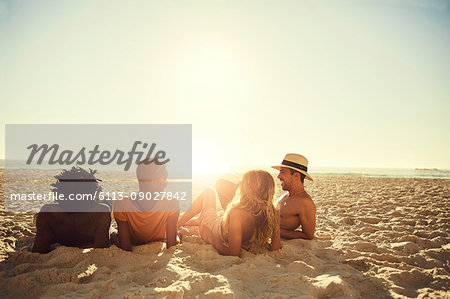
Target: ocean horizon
point(341, 171)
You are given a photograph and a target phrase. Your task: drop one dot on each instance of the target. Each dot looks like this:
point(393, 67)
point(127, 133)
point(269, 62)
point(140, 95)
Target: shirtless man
point(297, 210)
point(72, 223)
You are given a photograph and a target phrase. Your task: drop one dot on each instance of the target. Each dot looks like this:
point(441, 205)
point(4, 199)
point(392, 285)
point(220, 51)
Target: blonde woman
point(250, 221)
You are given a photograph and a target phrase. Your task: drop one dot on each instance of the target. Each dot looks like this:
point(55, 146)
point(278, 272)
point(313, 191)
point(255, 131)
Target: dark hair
point(302, 176)
point(76, 181)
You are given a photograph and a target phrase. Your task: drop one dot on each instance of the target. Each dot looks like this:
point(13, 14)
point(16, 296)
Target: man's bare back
point(71, 229)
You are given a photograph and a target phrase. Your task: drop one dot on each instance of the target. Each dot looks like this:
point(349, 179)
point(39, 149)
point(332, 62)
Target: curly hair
point(257, 189)
point(77, 181)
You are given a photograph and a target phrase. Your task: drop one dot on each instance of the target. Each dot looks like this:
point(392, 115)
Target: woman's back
point(248, 225)
point(251, 221)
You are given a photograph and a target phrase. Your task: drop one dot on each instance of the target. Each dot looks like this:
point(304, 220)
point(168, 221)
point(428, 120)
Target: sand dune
point(377, 237)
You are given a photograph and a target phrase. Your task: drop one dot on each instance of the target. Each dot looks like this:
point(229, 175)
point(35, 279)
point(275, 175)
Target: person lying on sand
point(143, 221)
point(250, 221)
point(297, 208)
point(73, 223)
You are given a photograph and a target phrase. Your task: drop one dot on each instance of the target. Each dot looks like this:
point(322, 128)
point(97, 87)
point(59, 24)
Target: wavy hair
point(257, 189)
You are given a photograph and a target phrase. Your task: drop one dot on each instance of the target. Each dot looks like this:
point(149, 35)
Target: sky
point(345, 83)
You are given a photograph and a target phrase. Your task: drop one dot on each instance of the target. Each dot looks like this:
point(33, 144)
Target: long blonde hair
point(257, 189)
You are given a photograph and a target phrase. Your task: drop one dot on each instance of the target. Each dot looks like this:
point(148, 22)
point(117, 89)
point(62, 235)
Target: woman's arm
point(276, 240)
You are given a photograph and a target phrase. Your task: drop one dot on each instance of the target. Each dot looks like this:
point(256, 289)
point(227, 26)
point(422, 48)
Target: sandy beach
point(376, 237)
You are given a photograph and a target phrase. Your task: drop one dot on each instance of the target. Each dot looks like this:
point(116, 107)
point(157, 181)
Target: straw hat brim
point(278, 167)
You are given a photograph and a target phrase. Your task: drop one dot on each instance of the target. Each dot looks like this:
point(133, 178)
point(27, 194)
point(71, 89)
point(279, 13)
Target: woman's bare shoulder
point(241, 213)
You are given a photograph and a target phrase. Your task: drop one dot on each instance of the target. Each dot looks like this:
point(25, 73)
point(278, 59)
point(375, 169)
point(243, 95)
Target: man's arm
point(43, 238)
point(307, 215)
point(171, 230)
point(124, 235)
point(101, 237)
point(276, 241)
point(295, 234)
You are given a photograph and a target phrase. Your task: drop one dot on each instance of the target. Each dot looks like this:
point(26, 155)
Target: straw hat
point(296, 162)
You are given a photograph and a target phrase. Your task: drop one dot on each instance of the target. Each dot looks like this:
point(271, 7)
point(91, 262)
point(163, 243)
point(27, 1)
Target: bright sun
point(206, 163)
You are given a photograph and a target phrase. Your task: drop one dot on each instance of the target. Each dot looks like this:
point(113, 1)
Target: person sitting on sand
point(143, 221)
point(251, 221)
point(70, 222)
point(297, 209)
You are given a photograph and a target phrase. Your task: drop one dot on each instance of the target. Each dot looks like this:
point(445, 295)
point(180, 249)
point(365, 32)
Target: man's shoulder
point(102, 208)
point(124, 205)
point(50, 208)
point(303, 199)
point(55, 208)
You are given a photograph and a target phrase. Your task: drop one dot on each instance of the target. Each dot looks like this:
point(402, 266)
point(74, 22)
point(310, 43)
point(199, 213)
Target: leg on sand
point(226, 191)
point(207, 199)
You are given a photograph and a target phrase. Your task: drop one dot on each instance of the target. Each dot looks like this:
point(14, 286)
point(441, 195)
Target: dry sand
point(376, 237)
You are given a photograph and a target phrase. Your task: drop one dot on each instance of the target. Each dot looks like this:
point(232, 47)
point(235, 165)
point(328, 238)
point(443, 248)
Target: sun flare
point(208, 163)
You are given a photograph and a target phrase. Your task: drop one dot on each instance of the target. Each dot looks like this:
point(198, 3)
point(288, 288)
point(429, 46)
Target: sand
point(376, 237)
